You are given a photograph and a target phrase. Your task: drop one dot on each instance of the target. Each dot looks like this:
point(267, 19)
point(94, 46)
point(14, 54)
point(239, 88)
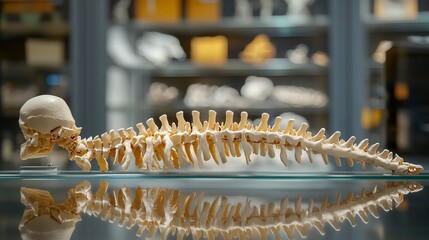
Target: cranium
point(42, 119)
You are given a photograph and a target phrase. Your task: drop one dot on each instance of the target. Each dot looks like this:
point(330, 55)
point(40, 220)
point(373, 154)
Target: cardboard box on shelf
point(158, 10)
point(211, 51)
point(23, 6)
point(396, 9)
point(44, 52)
point(203, 10)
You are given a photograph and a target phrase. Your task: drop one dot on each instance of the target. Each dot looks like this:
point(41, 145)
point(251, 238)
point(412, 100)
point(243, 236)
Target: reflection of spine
point(174, 212)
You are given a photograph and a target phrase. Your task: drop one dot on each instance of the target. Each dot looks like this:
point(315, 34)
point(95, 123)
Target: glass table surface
point(45, 203)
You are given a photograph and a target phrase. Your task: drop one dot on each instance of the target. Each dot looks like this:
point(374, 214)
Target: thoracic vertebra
point(174, 146)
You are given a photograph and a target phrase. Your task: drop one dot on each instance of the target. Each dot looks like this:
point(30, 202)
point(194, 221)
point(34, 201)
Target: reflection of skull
point(44, 219)
point(37, 222)
point(43, 119)
point(46, 228)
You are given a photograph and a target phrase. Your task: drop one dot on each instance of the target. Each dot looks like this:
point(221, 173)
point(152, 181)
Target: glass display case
point(49, 204)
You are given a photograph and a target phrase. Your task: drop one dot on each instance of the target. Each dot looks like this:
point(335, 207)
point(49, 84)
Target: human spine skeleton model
point(180, 213)
point(46, 119)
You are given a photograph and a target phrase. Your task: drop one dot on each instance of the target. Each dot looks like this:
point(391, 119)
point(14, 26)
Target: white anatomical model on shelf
point(295, 96)
point(225, 96)
point(121, 51)
point(267, 7)
point(243, 10)
point(298, 8)
point(205, 95)
point(159, 48)
point(46, 120)
point(299, 55)
point(257, 88)
point(161, 93)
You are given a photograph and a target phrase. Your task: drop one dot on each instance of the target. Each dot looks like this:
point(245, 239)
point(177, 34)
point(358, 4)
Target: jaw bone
point(163, 211)
point(176, 145)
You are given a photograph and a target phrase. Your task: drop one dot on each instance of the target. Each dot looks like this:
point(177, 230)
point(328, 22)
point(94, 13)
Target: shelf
point(281, 26)
point(236, 67)
point(22, 70)
point(57, 29)
point(24, 67)
point(421, 24)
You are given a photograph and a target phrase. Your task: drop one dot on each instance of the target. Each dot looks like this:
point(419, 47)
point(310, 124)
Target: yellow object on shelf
point(371, 117)
point(402, 91)
point(158, 10)
point(203, 10)
point(22, 6)
point(212, 51)
point(259, 50)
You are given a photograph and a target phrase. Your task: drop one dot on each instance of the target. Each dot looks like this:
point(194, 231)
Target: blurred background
point(360, 67)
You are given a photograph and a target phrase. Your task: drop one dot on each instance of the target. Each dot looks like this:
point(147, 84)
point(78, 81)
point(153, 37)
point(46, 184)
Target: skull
point(40, 120)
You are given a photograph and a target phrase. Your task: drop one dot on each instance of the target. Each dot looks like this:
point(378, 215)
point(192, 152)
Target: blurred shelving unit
point(47, 29)
point(235, 67)
point(285, 33)
point(34, 59)
point(276, 26)
point(379, 27)
point(420, 24)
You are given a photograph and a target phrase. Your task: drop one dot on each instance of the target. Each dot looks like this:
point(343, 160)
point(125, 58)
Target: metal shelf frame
point(279, 26)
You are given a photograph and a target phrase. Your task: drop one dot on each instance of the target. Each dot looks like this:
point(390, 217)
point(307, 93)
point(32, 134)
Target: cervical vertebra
point(46, 119)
